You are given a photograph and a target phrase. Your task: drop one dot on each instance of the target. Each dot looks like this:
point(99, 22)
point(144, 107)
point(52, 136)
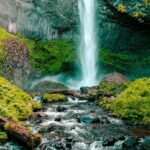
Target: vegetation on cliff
point(129, 62)
point(139, 9)
point(51, 57)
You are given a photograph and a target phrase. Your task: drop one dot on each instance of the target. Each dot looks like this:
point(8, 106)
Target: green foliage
point(46, 57)
point(3, 136)
point(53, 57)
point(107, 88)
point(124, 62)
point(51, 98)
point(134, 102)
point(14, 103)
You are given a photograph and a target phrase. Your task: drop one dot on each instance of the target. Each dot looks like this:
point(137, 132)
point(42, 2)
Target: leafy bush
point(14, 103)
point(50, 98)
point(3, 136)
point(134, 102)
point(107, 88)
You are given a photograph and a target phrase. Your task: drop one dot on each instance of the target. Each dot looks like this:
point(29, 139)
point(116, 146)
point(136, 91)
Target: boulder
point(61, 109)
point(130, 143)
point(109, 142)
point(48, 86)
point(89, 119)
point(115, 77)
point(58, 118)
point(146, 144)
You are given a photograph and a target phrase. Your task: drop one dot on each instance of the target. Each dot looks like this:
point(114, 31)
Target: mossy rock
point(134, 102)
point(51, 98)
point(3, 136)
point(15, 104)
point(110, 88)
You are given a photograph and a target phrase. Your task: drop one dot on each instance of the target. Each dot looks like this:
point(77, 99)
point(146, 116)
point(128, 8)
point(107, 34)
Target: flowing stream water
point(88, 47)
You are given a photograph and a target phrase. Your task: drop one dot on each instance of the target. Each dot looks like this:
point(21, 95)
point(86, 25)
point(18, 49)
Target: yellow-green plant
point(15, 104)
point(134, 102)
point(3, 136)
point(50, 98)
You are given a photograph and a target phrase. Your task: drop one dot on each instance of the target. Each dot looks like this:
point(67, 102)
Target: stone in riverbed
point(146, 144)
point(130, 143)
point(61, 109)
point(91, 118)
point(109, 142)
point(58, 119)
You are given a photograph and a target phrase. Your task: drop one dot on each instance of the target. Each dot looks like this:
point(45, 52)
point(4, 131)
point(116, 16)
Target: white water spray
point(87, 53)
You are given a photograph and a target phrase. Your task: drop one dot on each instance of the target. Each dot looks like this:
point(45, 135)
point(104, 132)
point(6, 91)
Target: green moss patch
point(51, 57)
point(133, 103)
point(127, 63)
point(14, 103)
point(51, 98)
point(3, 136)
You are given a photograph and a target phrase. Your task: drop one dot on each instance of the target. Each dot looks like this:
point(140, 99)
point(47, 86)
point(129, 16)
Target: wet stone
point(58, 119)
point(61, 109)
point(130, 143)
point(146, 144)
point(109, 142)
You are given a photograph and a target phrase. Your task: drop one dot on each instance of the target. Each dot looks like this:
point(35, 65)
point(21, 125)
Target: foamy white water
point(87, 49)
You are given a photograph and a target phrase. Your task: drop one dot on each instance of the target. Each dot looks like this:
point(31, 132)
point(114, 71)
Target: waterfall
point(87, 49)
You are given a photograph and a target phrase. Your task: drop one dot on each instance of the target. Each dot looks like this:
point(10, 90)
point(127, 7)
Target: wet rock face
point(48, 19)
point(122, 38)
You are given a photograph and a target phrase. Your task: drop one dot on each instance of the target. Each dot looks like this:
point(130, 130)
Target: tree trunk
point(20, 133)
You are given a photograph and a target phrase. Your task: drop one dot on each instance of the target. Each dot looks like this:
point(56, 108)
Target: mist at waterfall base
point(86, 49)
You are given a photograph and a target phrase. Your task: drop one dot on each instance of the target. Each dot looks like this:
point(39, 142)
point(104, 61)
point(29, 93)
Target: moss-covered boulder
point(51, 98)
point(14, 103)
point(133, 103)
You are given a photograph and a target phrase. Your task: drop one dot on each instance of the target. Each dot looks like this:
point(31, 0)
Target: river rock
point(87, 90)
point(146, 144)
point(115, 77)
point(48, 86)
point(109, 142)
point(58, 118)
point(61, 109)
point(91, 118)
point(130, 143)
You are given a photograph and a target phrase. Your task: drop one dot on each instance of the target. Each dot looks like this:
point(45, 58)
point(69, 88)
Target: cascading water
point(87, 53)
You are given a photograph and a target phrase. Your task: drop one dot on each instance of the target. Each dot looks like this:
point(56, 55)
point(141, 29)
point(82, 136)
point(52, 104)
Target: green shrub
point(3, 136)
point(134, 102)
point(107, 88)
point(14, 103)
point(50, 98)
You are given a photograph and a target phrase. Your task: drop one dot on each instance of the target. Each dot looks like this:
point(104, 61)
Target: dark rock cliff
point(49, 19)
